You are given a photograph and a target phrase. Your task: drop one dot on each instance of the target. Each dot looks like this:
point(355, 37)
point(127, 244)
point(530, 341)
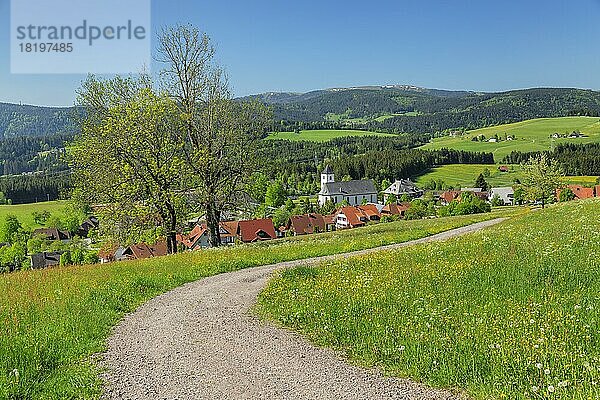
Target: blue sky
point(478, 45)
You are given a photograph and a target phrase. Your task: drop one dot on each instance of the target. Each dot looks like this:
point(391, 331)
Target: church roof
point(328, 169)
point(349, 188)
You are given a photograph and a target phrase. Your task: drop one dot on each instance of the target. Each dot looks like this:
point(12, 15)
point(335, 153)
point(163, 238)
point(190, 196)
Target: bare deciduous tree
point(220, 133)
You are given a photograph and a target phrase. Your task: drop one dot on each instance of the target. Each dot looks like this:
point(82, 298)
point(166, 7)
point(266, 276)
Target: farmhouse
point(140, 251)
point(448, 196)
point(582, 192)
point(370, 211)
point(402, 187)
point(395, 209)
point(45, 259)
point(198, 237)
point(256, 230)
point(87, 225)
point(505, 194)
point(306, 224)
point(349, 217)
point(53, 234)
point(354, 192)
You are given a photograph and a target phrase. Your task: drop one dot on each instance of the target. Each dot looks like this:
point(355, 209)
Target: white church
point(354, 192)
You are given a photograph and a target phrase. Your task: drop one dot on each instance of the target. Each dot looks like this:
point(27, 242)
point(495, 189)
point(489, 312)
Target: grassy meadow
point(24, 211)
point(511, 312)
point(530, 135)
point(322, 135)
point(464, 175)
point(54, 320)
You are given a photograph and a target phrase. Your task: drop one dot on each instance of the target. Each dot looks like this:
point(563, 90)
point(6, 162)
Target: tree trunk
point(171, 231)
point(213, 217)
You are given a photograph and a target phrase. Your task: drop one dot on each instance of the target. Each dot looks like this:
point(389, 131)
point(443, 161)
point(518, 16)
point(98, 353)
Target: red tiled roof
point(352, 214)
point(108, 252)
point(450, 195)
point(256, 229)
point(190, 239)
point(582, 192)
point(306, 223)
point(395, 208)
point(370, 210)
point(230, 227)
point(597, 190)
point(142, 250)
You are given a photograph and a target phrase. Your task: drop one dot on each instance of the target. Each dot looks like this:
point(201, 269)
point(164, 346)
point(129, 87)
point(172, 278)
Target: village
point(357, 204)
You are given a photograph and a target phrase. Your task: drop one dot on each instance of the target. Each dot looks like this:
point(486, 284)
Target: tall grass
point(510, 312)
point(54, 320)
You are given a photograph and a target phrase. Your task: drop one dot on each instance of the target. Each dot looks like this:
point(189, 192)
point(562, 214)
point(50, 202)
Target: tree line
point(574, 159)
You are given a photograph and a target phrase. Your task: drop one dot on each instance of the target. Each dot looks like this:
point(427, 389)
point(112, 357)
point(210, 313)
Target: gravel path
point(200, 342)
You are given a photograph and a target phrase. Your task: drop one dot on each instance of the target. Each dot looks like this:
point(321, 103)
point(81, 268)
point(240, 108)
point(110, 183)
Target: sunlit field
point(530, 135)
point(24, 212)
point(54, 320)
point(511, 312)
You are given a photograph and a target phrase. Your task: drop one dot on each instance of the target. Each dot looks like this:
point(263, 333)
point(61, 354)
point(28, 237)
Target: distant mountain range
point(392, 108)
point(403, 108)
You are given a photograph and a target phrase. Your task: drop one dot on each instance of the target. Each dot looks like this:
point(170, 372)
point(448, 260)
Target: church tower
point(327, 175)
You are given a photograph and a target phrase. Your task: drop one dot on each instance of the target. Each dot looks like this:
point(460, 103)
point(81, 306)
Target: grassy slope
point(510, 312)
point(531, 135)
point(464, 175)
point(23, 211)
point(54, 320)
point(321, 135)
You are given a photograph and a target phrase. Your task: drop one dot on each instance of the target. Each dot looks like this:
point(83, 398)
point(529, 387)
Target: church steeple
point(327, 175)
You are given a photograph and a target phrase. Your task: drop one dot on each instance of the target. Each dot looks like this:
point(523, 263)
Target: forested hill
point(25, 120)
point(412, 109)
point(391, 108)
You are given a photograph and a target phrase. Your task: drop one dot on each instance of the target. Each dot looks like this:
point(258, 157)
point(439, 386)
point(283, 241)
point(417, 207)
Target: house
point(505, 194)
point(493, 140)
point(581, 192)
point(402, 187)
point(53, 234)
point(140, 251)
point(503, 168)
point(354, 192)
point(449, 195)
point(45, 259)
point(395, 209)
point(306, 224)
point(87, 225)
point(198, 237)
point(349, 217)
point(329, 222)
point(370, 211)
point(481, 195)
point(472, 190)
point(108, 254)
point(256, 230)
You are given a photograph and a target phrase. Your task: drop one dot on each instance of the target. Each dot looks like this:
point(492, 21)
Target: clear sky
point(483, 45)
